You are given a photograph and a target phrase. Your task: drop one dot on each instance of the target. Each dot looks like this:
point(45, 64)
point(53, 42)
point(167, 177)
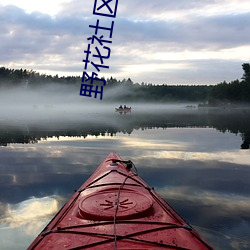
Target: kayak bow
point(116, 209)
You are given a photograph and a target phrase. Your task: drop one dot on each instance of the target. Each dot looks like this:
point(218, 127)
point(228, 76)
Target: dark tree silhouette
point(216, 95)
point(246, 69)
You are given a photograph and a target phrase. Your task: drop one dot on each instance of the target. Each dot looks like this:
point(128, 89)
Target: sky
point(160, 41)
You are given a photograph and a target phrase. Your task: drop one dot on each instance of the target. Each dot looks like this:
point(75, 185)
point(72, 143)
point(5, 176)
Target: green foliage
point(31, 78)
point(246, 75)
point(234, 92)
point(223, 93)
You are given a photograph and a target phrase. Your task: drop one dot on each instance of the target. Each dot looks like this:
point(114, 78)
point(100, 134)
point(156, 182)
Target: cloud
point(149, 36)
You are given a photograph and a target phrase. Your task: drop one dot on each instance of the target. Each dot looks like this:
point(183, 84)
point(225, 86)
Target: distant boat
point(125, 110)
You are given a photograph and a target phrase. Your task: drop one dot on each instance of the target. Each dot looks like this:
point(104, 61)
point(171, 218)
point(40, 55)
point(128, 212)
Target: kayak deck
point(116, 209)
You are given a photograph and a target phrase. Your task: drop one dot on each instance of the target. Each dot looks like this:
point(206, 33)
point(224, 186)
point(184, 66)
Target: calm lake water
point(197, 160)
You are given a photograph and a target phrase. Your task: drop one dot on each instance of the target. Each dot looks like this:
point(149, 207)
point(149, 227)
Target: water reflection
point(195, 166)
point(21, 221)
point(31, 210)
point(110, 123)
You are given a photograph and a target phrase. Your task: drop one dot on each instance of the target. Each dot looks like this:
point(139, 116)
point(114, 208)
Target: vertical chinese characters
point(99, 43)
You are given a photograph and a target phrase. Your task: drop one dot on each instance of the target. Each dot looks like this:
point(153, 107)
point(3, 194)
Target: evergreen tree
point(246, 69)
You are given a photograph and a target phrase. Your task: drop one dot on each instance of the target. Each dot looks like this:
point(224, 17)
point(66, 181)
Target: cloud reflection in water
point(21, 222)
point(198, 171)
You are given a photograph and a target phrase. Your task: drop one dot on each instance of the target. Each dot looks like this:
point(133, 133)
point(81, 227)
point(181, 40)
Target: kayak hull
point(116, 209)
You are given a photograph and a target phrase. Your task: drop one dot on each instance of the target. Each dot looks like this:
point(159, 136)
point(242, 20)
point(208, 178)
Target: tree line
point(236, 91)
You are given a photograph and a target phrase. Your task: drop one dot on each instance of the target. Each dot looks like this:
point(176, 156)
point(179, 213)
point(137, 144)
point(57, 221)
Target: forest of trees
point(236, 91)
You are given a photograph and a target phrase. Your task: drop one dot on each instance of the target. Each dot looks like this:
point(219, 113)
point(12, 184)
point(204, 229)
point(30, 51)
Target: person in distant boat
point(125, 106)
point(120, 107)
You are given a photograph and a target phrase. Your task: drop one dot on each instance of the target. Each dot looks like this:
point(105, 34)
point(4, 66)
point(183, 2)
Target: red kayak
point(116, 209)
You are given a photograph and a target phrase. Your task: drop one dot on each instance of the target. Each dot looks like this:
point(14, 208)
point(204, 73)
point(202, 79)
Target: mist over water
point(57, 109)
point(63, 103)
point(45, 102)
point(53, 139)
